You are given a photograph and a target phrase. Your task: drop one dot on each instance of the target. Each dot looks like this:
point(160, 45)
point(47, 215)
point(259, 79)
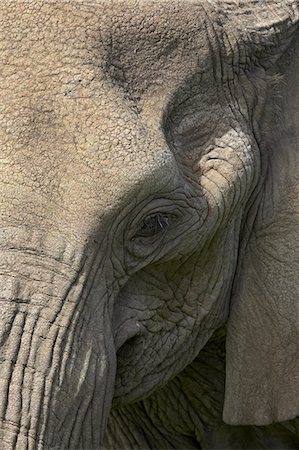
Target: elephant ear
point(262, 346)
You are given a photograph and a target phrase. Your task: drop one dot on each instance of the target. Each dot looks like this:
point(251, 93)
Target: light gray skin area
point(149, 224)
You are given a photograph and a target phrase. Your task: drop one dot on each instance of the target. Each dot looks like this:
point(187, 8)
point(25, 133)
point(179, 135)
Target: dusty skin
point(149, 224)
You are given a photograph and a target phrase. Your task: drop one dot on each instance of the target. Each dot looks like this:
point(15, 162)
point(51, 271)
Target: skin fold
point(149, 221)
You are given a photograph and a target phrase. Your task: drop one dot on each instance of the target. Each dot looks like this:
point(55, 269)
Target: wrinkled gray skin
point(149, 221)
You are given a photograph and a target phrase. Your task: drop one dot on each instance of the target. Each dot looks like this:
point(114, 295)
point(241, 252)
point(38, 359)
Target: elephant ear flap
point(262, 346)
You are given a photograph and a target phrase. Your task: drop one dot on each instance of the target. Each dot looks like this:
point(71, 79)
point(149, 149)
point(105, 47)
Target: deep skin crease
point(149, 222)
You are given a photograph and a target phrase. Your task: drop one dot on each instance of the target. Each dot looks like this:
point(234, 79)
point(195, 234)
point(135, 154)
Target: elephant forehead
point(63, 116)
point(134, 44)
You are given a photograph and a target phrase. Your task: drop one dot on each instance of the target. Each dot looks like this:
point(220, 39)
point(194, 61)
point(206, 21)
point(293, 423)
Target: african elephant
point(149, 224)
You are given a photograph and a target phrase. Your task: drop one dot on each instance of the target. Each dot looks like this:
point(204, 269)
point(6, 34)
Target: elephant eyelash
point(153, 224)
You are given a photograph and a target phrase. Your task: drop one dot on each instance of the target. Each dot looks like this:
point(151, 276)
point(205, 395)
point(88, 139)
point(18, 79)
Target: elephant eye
point(153, 224)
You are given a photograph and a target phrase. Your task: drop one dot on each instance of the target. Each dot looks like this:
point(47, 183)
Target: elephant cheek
point(57, 370)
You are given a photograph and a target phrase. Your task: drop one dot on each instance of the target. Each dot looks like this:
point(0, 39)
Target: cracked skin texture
point(149, 224)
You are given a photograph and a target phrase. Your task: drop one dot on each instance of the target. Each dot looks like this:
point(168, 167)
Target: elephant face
point(135, 167)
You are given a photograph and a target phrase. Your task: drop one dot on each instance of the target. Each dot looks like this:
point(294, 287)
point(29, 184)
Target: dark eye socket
point(153, 224)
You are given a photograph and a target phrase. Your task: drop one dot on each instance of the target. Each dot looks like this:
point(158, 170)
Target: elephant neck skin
point(187, 414)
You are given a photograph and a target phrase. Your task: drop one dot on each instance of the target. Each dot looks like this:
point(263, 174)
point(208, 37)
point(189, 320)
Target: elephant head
point(149, 194)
